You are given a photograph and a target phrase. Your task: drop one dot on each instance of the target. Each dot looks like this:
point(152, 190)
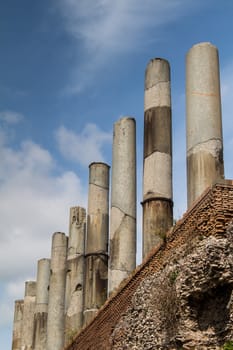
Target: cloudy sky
point(68, 70)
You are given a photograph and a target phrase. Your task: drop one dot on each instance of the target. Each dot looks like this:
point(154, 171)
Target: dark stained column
point(157, 173)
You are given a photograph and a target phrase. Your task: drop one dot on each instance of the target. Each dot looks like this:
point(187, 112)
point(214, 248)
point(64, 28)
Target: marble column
point(17, 325)
point(96, 253)
point(28, 315)
point(203, 120)
point(157, 172)
point(122, 259)
point(75, 273)
point(41, 309)
point(57, 283)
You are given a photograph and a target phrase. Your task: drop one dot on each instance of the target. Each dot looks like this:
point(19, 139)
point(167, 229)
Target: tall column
point(96, 257)
point(41, 309)
point(75, 273)
point(28, 315)
point(123, 202)
point(56, 306)
point(17, 325)
point(203, 120)
point(157, 173)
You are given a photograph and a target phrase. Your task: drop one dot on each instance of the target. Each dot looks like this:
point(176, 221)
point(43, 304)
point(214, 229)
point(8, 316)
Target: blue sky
point(68, 70)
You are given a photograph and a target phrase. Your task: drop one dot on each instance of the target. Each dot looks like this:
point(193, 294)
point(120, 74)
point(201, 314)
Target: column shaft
point(157, 172)
point(75, 273)
point(203, 120)
point(17, 326)
point(28, 315)
point(41, 309)
point(56, 305)
point(123, 202)
point(96, 257)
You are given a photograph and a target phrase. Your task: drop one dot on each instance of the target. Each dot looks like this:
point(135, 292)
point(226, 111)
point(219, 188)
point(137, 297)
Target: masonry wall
point(193, 268)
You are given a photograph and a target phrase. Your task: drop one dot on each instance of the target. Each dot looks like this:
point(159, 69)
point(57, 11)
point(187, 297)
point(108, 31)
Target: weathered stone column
point(123, 202)
point(96, 257)
point(56, 306)
point(157, 173)
point(75, 273)
point(28, 315)
point(17, 325)
point(41, 309)
point(203, 120)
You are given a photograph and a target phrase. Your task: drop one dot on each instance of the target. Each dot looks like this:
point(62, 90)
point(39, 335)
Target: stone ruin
point(89, 294)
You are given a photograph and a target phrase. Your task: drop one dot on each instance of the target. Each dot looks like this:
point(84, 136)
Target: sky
point(69, 70)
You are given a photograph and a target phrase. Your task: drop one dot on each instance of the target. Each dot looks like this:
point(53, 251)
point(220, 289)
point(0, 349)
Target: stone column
point(203, 120)
point(17, 325)
point(96, 257)
point(28, 315)
point(41, 310)
point(56, 306)
point(75, 273)
point(157, 173)
point(123, 202)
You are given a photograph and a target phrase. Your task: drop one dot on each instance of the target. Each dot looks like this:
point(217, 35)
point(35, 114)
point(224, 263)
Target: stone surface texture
point(188, 305)
point(203, 120)
point(122, 257)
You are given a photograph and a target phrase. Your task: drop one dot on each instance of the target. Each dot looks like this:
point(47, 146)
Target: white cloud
point(85, 147)
point(11, 117)
point(15, 288)
point(6, 311)
point(107, 29)
point(35, 198)
point(116, 26)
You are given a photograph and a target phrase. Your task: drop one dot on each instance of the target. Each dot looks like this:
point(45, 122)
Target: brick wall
point(210, 215)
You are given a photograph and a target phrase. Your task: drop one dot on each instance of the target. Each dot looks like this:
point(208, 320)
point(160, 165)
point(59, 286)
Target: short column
point(41, 309)
point(28, 315)
point(17, 325)
point(75, 273)
point(56, 305)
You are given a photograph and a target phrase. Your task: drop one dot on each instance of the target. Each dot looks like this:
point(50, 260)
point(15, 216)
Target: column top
point(30, 288)
point(43, 259)
point(204, 43)
point(127, 117)
point(99, 163)
point(157, 71)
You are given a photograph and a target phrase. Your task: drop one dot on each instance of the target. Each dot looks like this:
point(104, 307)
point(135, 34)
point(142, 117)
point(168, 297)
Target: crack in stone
point(159, 82)
point(125, 214)
point(92, 183)
point(157, 152)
